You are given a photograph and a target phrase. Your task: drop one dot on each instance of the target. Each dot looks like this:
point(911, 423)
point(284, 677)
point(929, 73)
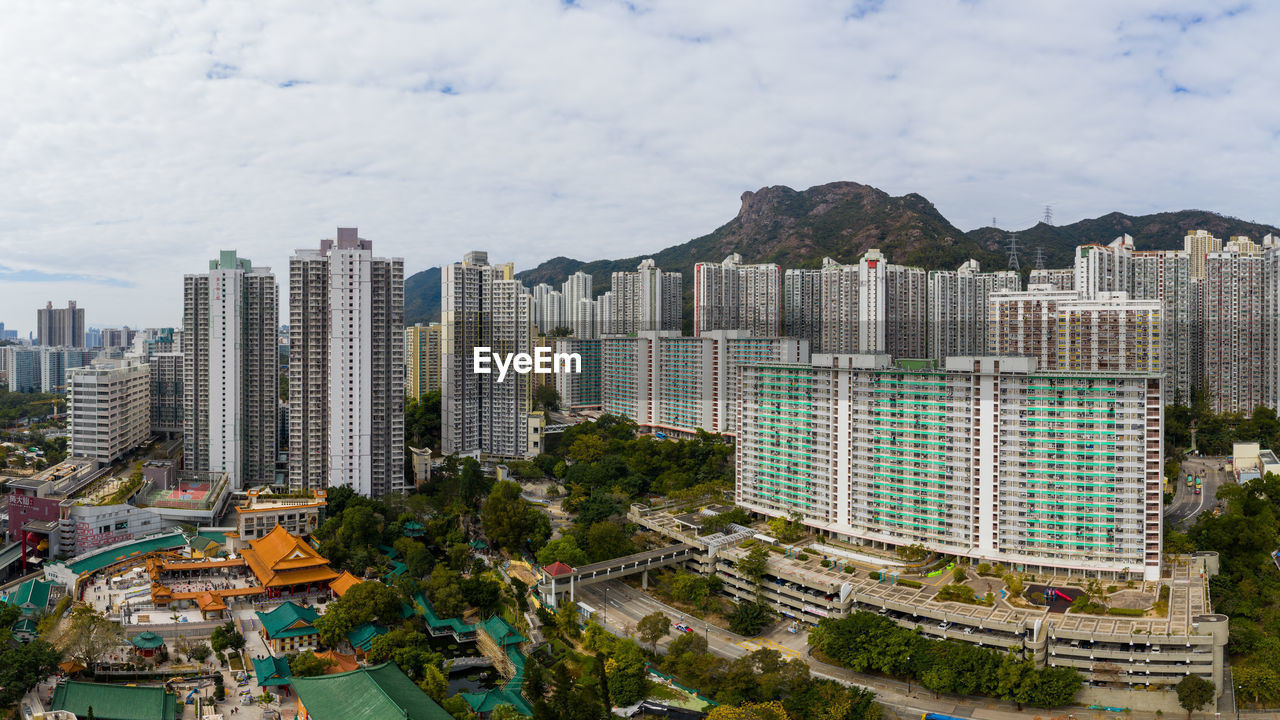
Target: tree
point(607, 540)
point(749, 618)
point(546, 397)
point(1194, 692)
point(91, 636)
point(1014, 584)
point(755, 565)
point(199, 653)
point(22, 665)
point(653, 627)
point(363, 602)
point(772, 710)
point(434, 683)
point(626, 673)
point(509, 521)
point(567, 618)
point(505, 712)
point(563, 550)
point(308, 665)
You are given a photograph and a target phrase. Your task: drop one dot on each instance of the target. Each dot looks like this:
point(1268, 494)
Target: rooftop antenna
point(1013, 253)
point(1039, 257)
point(1048, 214)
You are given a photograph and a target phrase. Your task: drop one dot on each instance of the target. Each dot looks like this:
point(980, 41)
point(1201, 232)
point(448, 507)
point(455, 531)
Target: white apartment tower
point(1025, 323)
point(647, 299)
point(873, 306)
point(346, 368)
point(482, 305)
point(1234, 321)
point(230, 370)
point(579, 307)
point(733, 296)
point(958, 308)
point(1198, 244)
point(1110, 333)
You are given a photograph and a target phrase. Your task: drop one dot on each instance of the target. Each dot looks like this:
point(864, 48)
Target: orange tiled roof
point(345, 582)
point(341, 663)
point(279, 558)
point(208, 602)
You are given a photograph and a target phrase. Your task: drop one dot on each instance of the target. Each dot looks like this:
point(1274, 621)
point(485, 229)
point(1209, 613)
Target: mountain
point(1160, 231)
point(842, 220)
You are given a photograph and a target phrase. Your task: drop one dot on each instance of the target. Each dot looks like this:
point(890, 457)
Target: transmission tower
point(1039, 257)
point(1048, 214)
point(1013, 253)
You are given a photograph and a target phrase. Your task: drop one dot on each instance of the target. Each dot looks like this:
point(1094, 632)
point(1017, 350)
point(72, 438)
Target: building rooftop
point(271, 670)
point(289, 620)
point(115, 702)
point(373, 693)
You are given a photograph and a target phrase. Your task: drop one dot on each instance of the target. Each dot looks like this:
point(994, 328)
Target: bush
point(910, 583)
point(802, 556)
point(826, 563)
point(1129, 612)
point(874, 574)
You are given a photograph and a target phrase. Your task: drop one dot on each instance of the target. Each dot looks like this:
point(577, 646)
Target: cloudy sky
point(141, 137)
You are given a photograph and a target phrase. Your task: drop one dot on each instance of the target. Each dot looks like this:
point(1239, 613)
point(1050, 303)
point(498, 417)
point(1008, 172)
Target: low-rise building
point(260, 513)
point(290, 628)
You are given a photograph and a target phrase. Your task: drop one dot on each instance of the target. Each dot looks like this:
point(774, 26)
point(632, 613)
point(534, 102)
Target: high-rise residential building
point(118, 337)
point(482, 305)
point(802, 305)
point(548, 308)
point(1104, 268)
point(1110, 332)
point(958, 308)
point(42, 369)
point(1165, 275)
point(108, 408)
point(168, 399)
point(1025, 323)
point(647, 299)
point(422, 359)
point(7, 334)
point(579, 390)
point(732, 296)
point(1046, 470)
point(1233, 317)
point(230, 376)
point(579, 307)
point(60, 327)
point(1057, 278)
point(1198, 244)
point(873, 306)
point(679, 384)
point(346, 368)
point(1271, 322)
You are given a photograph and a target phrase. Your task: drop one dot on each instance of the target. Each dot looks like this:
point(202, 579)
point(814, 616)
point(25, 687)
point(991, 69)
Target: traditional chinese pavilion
point(284, 564)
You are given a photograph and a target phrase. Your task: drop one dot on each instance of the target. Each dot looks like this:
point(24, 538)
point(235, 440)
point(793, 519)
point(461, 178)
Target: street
point(1186, 503)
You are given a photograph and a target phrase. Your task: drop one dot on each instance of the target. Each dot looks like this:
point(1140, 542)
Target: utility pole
point(1013, 253)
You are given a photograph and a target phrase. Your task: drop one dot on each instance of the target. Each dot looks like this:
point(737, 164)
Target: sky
point(137, 139)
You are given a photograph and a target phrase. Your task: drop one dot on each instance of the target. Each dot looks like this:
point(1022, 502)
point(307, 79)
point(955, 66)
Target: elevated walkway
point(552, 587)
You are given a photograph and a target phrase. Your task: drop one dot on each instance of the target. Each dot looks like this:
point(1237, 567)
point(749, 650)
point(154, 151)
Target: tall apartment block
point(1057, 278)
point(346, 368)
point(958, 306)
point(1025, 323)
point(873, 306)
point(118, 337)
point(108, 408)
point(1198, 244)
point(1233, 315)
point(230, 376)
point(1110, 332)
point(733, 296)
point(580, 309)
point(168, 395)
point(580, 390)
point(1165, 275)
point(42, 369)
point(548, 308)
point(60, 327)
point(422, 359)
point(482, 305)
point(647, 299)
point(679, 384)
point(982, 457)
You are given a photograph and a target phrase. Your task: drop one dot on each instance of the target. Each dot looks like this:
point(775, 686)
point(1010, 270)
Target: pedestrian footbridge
point(559, 580)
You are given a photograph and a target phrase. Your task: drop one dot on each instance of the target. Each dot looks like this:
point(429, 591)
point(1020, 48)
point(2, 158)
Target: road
point(1186, 503)
point(620, 606)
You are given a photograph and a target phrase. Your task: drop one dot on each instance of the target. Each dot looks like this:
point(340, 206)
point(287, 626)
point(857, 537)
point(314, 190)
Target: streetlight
point(1237, 699)
point(909, 677)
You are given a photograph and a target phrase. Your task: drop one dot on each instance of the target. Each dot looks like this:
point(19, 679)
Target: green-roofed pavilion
point(146, 643)
point(290, 627)
point(26, 629)
point(32, 597)
point(271, 670)
point(381, 692)
point(115, 702)
point(413, 529)
point(361, 636)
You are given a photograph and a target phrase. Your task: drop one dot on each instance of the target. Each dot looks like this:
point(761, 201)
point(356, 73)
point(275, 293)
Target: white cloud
point(140, 138)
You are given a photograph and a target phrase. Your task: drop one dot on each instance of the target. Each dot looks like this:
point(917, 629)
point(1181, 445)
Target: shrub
point(910, 583)
point(1129, 612)
point(874, 574)
point(826, 563)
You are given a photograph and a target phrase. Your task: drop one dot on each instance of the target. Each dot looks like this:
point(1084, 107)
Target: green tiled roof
point(34, 592)
point(146, 640)
point(272, 671)
point(501, 631)
point(25, 625)
point(115, 702)
point(111, 555)
point(289, 620)
point(381, 692)
point(363, 634)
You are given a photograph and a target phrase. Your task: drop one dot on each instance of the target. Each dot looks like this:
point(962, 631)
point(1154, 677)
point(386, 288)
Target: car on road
point(681, 627)
point(968, 631)
point(944, 625)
